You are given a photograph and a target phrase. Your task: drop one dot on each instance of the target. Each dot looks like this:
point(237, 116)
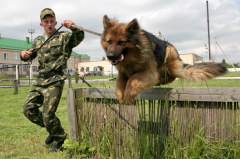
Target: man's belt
point(50, 74)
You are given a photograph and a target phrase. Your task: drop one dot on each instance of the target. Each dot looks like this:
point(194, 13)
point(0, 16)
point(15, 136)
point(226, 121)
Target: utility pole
point(209, 50)
point(74, 62)
point(216, 47)
point(226, 57)
point(31, 31)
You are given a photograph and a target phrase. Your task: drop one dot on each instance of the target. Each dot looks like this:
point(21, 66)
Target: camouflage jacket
point(54, 54)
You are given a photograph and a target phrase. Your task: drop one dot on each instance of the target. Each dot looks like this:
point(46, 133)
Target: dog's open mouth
point(115, 62)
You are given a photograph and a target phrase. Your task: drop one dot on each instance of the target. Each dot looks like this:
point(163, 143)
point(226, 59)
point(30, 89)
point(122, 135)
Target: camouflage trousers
point(48, 97)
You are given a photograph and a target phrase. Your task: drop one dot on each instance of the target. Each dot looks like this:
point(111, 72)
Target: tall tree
point(224, 62)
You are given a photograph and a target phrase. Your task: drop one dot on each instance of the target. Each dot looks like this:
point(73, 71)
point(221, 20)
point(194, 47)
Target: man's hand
point(25, 54)
point(68, 24)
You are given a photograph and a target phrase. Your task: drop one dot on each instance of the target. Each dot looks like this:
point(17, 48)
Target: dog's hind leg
point(173, 63)
point(196, 72)
point(166, 80)
point(137, 82)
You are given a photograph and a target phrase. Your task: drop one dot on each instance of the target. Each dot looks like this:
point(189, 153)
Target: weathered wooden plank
point(210, 90)
point(207, 91)
point(69, 82)
point(209, 107)
point(107, 93)
point(237, 121)
point(221, 121)
point(101, 95)
point(71, 114)
point(175, 97)
point(237, 125)
point(192, 97)
point(178, 94)
point(102, 90)
point(15, 86)
point(78, 111)
point(210, 98)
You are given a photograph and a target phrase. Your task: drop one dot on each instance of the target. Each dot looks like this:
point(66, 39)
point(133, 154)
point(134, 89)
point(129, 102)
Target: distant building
point(238, 63)
point(106, 68)
point(73, 62)
point(10, 50)
point(191, 58)
point(77, 58)
point(97, 68)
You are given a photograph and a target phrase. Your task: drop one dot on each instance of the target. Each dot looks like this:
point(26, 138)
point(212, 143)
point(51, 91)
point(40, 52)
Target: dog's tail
point(202, 71)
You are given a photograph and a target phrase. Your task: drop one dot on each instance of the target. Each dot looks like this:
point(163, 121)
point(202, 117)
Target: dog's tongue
point(121, 57)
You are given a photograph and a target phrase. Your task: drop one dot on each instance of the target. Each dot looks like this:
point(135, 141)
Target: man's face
point(49, 23)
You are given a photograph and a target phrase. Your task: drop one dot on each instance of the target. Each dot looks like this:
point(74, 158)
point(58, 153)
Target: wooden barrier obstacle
point(158, 113)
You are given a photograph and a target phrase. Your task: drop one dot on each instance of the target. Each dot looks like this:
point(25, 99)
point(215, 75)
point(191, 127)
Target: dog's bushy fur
point(142, 60)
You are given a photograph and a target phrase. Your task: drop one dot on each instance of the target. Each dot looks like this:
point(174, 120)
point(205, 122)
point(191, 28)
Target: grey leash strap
point(89, 31)
point(75, 26)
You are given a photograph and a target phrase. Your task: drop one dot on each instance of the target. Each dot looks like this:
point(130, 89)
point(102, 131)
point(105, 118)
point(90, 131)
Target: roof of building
point(14, 44)
point(79, 55)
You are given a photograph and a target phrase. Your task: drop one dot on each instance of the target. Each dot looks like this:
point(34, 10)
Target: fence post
point(74, 108)
point(30, 74)
point(15, 86)
point(17, 74)
point(69, 82)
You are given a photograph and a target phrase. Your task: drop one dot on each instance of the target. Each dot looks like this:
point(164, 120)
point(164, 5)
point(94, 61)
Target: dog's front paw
point(121, 101)
point(120, 98)
point(129, 99)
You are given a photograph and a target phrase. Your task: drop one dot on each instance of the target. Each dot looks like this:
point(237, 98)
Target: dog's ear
point(133, 27)
point(106, 22)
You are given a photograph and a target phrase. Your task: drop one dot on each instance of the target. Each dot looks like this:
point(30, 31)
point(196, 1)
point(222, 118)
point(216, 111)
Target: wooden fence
point(156, 115)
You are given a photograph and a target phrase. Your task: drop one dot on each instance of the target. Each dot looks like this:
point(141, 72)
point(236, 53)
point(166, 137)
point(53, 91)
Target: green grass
point(98, 77)
point(19, 138)
point(6, 83)
point(94, 77)
point(174, 84)
point(10, 83)
point(231, 74)
point(208, 83)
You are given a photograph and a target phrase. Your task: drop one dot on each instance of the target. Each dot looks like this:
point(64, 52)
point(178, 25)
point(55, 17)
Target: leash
point(81, 28)
point(85, 82)
point(89, 31)
point(75, 26)
point(35, 50)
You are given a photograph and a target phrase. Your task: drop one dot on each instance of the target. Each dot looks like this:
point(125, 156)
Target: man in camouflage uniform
point(47, 90)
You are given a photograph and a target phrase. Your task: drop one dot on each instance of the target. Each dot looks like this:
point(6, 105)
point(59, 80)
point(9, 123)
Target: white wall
point(107, 68)
point(233, 70)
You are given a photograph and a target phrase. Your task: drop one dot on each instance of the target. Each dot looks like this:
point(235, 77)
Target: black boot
point(49, 140)
point(57, 148)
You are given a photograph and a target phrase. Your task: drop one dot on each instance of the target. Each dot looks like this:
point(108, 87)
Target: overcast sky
point(182, 22)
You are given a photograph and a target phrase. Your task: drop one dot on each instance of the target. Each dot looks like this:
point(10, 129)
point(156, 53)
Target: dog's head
point(118, 38)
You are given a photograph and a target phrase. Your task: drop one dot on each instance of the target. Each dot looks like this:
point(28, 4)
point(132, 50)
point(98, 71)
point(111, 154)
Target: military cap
point(47, 11)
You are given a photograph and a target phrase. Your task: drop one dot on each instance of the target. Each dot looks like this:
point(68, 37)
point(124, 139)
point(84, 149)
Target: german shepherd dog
point(143, 60)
